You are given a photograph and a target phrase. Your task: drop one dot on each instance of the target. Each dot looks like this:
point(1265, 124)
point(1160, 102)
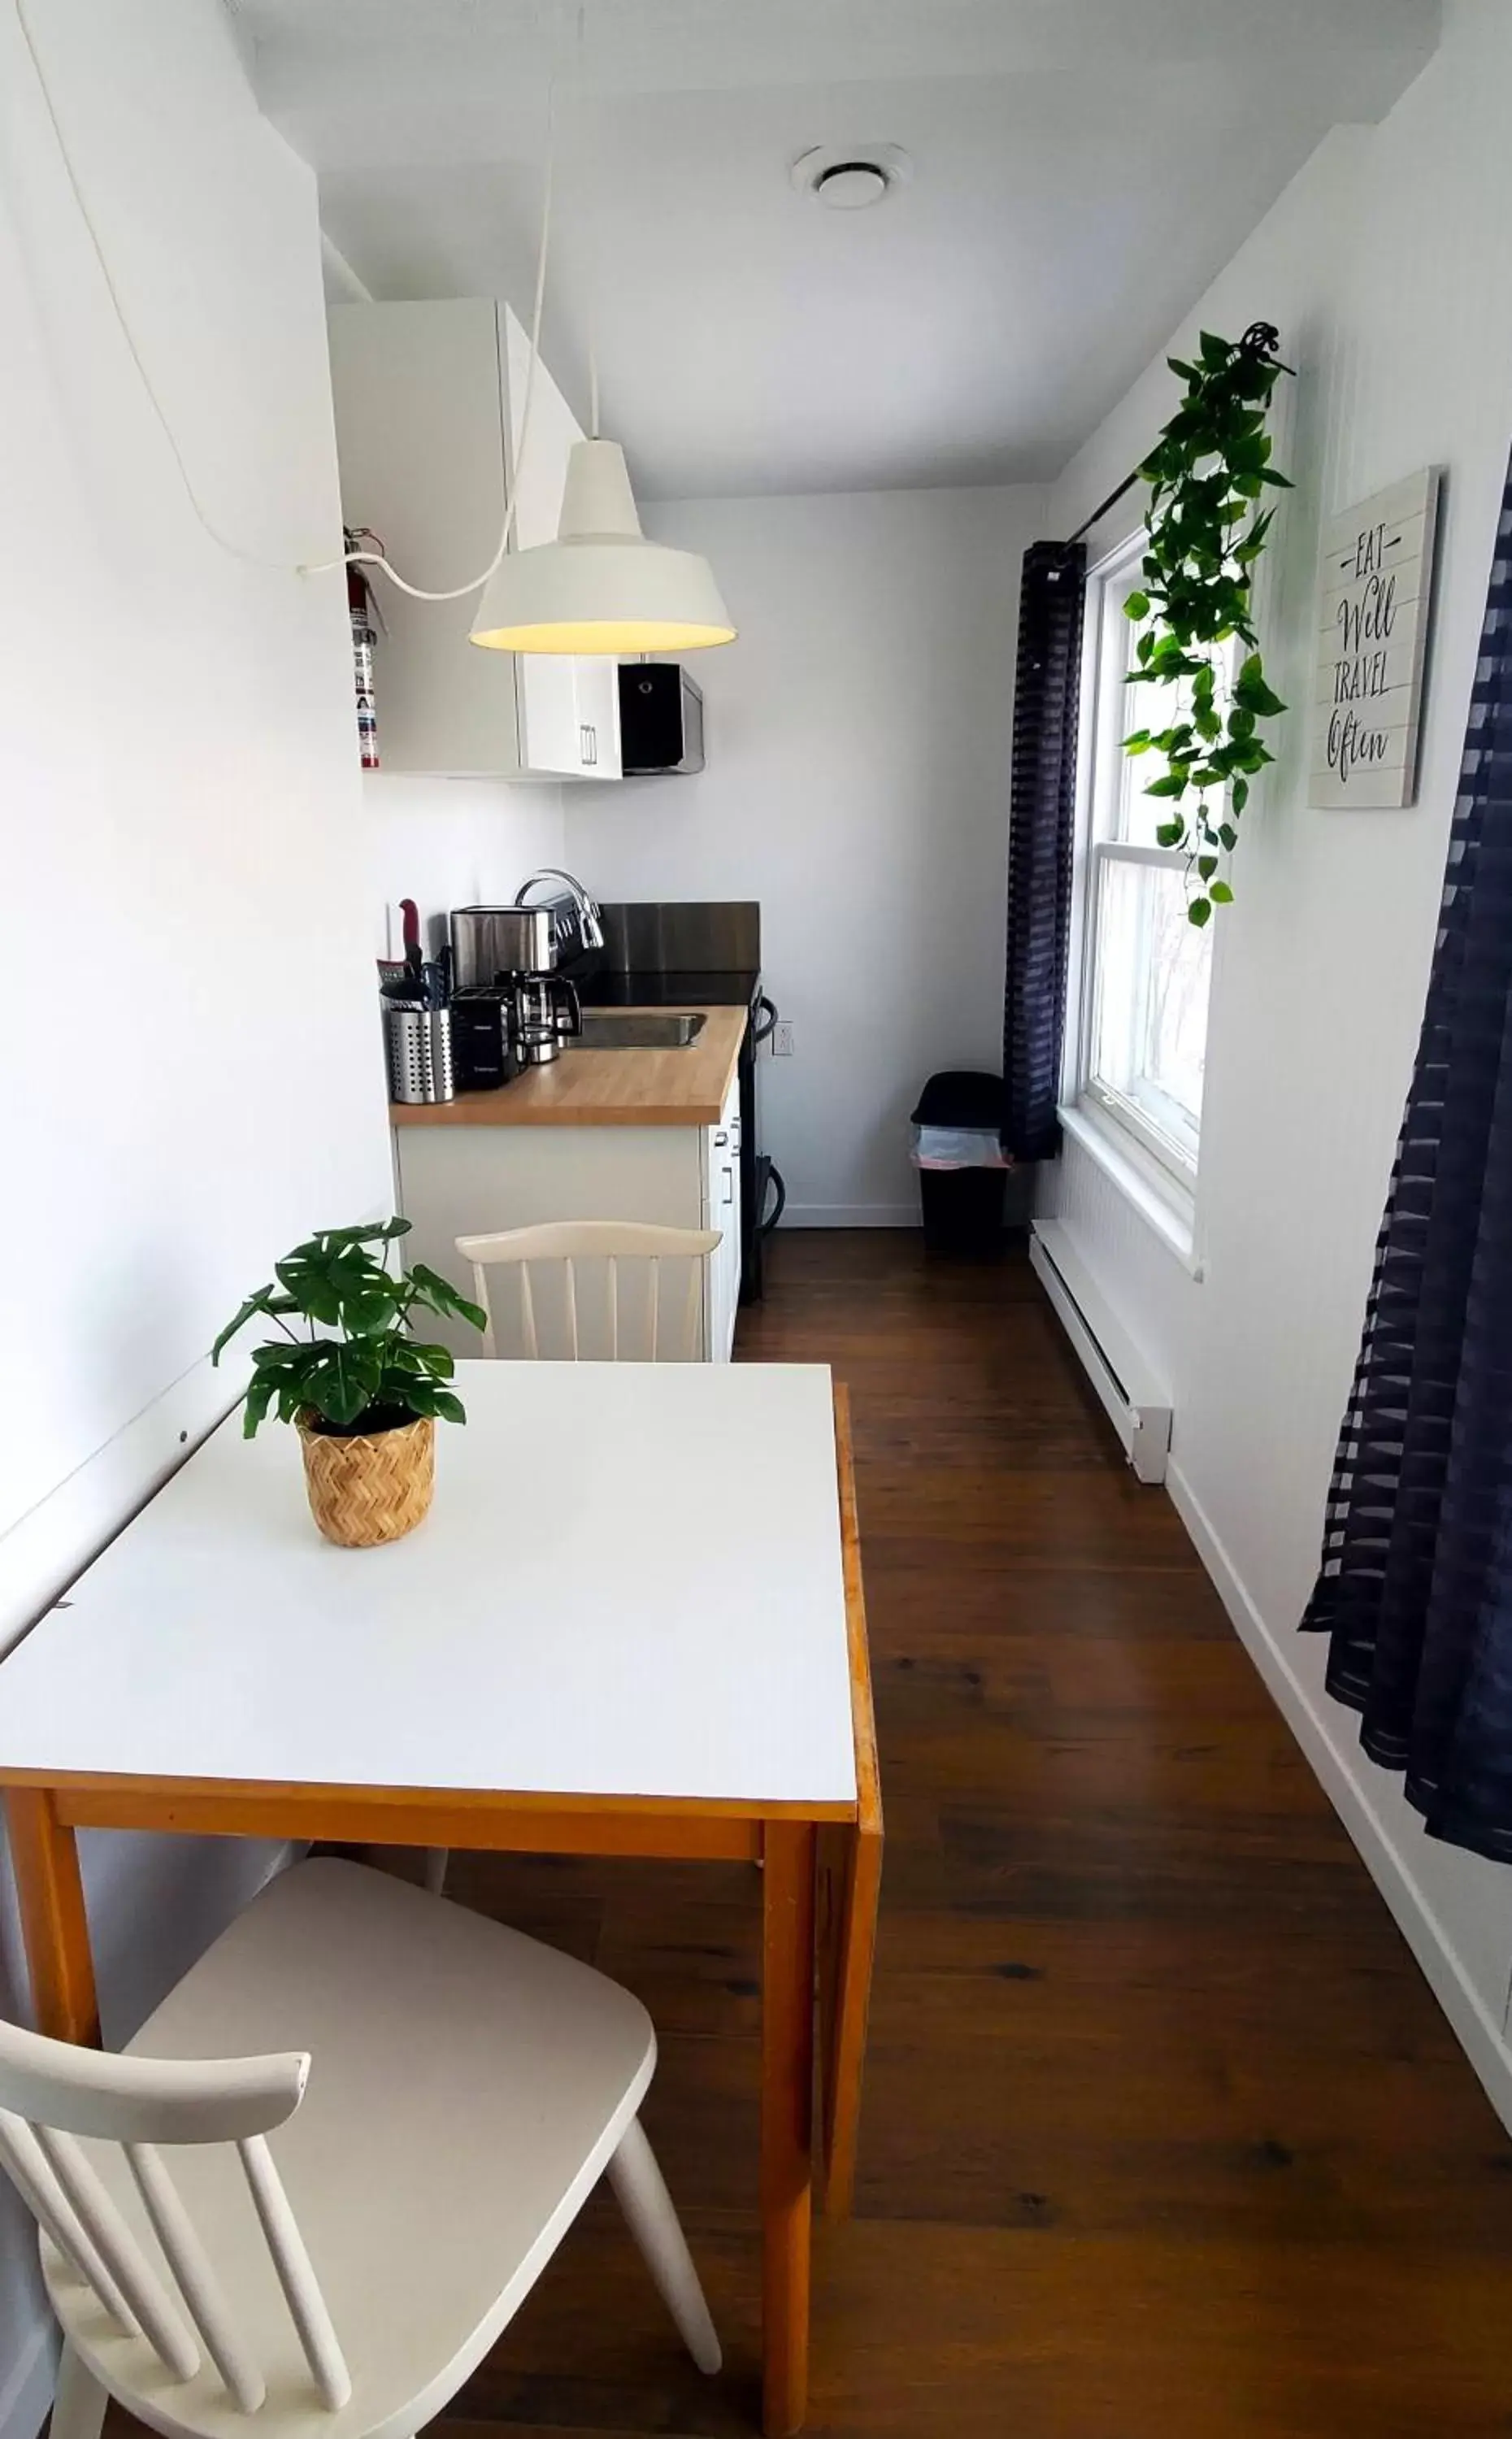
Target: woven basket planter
point(370, 1487)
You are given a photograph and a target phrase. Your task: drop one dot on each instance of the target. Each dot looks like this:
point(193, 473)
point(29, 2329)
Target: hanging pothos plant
point(1207, 472)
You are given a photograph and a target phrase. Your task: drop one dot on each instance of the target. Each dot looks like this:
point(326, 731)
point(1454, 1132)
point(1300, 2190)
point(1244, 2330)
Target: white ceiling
point(1082, 168)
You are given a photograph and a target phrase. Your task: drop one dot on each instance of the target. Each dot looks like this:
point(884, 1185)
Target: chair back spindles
point(296, 2276)
point(27, 2165)
point(528, 1310)
point(636, 1329)
point(197, 2282)
point(158, 2318)
point(572, 1306)
point(51, 2093)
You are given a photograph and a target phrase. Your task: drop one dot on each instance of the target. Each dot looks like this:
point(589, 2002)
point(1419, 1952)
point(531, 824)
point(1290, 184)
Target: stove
point(698, 953)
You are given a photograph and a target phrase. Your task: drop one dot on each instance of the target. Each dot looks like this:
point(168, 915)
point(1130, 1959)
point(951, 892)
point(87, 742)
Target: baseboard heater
point(1138, 1406)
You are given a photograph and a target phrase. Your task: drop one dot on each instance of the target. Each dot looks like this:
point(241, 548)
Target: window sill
point(1165, 1206)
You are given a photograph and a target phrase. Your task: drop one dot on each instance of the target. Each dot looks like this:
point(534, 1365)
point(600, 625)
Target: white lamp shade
point(601, 587)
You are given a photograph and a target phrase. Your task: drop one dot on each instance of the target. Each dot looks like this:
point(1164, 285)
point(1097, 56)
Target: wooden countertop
point(605, 1088)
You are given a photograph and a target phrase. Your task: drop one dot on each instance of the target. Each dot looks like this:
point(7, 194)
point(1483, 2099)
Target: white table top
point(629, 1584)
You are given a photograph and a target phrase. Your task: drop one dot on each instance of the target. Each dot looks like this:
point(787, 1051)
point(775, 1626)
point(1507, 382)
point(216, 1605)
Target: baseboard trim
point(1133, 1397)
point(26, 2398)
point(1479, 2035)
point(851, 1215)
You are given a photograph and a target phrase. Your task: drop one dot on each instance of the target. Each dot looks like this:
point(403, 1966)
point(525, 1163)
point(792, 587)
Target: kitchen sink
point(623, 1029)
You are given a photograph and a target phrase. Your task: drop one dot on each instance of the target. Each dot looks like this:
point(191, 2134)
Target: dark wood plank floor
point(1164, 2133)
point(1165, 2137)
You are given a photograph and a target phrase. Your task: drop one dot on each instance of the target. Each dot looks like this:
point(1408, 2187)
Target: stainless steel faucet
point(589, 910)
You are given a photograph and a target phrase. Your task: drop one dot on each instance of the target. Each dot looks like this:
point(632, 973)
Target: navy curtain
point(1046, 703)
point(1415, 1589)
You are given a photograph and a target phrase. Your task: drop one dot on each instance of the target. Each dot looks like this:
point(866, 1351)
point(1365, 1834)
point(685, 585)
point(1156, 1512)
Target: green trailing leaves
point(346, 1346)
point(1203, 537)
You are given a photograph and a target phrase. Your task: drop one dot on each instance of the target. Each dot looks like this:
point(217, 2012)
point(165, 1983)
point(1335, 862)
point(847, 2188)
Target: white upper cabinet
point(430, 401)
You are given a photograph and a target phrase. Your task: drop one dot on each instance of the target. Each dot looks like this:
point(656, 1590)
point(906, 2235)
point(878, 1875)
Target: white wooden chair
point(624, 1328)
point(443, 2094)
point(620, 1328)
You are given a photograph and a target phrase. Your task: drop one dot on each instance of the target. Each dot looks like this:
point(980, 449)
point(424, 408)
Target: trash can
point(962, 1171)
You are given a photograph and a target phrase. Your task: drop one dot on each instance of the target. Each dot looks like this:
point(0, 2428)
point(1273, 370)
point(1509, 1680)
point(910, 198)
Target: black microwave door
point(650, 717)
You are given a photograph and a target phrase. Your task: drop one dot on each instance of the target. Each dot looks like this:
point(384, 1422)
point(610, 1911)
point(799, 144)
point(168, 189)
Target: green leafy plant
point(1204, 531)
point(344, 1354)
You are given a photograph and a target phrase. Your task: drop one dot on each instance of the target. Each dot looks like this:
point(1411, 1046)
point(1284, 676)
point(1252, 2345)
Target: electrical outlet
point(782, 1039)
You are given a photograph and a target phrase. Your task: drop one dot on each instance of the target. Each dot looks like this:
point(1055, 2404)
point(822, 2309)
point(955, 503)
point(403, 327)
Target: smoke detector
point(851, 177)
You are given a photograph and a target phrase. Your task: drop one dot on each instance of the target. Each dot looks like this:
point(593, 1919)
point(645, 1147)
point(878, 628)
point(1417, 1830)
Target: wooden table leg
point(833, 1844)
point(855, 1942)
point(44, 1857)
point(787, 2121)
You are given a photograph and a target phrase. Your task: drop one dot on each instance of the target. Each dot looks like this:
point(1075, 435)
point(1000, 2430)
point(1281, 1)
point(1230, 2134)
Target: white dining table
point(631, 1624)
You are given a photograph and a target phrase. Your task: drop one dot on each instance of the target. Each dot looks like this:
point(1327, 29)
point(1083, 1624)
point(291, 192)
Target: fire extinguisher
point(363, 608)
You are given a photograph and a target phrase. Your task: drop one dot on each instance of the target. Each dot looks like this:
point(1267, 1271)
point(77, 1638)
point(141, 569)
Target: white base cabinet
point(461, 1181)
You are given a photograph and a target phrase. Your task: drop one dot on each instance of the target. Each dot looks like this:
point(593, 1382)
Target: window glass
point(1149, 1011)
point(1148, 969)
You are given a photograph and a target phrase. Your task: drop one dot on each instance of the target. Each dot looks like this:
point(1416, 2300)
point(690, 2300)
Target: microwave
point(660, 719)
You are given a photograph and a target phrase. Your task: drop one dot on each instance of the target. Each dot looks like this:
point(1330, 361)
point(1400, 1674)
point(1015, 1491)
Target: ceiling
point(1082, 169)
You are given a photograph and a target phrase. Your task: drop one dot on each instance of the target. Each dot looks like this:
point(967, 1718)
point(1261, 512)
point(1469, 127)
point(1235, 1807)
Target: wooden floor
point(1164, 2136)
point(1164, 2133)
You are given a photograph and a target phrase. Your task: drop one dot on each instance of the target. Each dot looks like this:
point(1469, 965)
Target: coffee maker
point(546, 1012)
point(508, 956)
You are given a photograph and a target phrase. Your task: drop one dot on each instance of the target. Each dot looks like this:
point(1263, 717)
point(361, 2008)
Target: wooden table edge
point(479, 1819)
point(80, 1783)
point(867, 1812)
point(850, 1866)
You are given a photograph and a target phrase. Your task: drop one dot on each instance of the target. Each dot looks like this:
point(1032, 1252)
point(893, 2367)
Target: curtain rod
point(1261, 339)
point(1101, 510)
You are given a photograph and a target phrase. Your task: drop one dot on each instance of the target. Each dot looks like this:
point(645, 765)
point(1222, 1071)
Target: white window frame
point(1165, 1157)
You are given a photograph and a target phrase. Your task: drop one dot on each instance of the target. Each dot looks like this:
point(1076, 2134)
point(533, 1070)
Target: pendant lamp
point(600, 587)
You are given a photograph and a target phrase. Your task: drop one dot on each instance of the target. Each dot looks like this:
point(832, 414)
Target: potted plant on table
point(361, 1391)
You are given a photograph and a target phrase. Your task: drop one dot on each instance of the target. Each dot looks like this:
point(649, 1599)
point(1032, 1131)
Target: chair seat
point(469, 2088)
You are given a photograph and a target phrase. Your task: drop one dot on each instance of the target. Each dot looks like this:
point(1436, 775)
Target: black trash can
point(963, 1204)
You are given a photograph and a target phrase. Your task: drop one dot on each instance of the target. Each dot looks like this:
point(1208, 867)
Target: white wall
point(450, 843)
point(194, 1074)
point(1388, 266)
point(857, 784)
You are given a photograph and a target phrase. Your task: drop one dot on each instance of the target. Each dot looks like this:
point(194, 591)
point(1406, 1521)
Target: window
point(1144, 989)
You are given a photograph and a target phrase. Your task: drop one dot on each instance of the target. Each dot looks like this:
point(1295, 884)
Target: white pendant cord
point(591, 283)
point(235, 550)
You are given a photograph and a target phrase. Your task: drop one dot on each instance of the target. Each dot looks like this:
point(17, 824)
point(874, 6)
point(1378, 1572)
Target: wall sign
point(1373, 605)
